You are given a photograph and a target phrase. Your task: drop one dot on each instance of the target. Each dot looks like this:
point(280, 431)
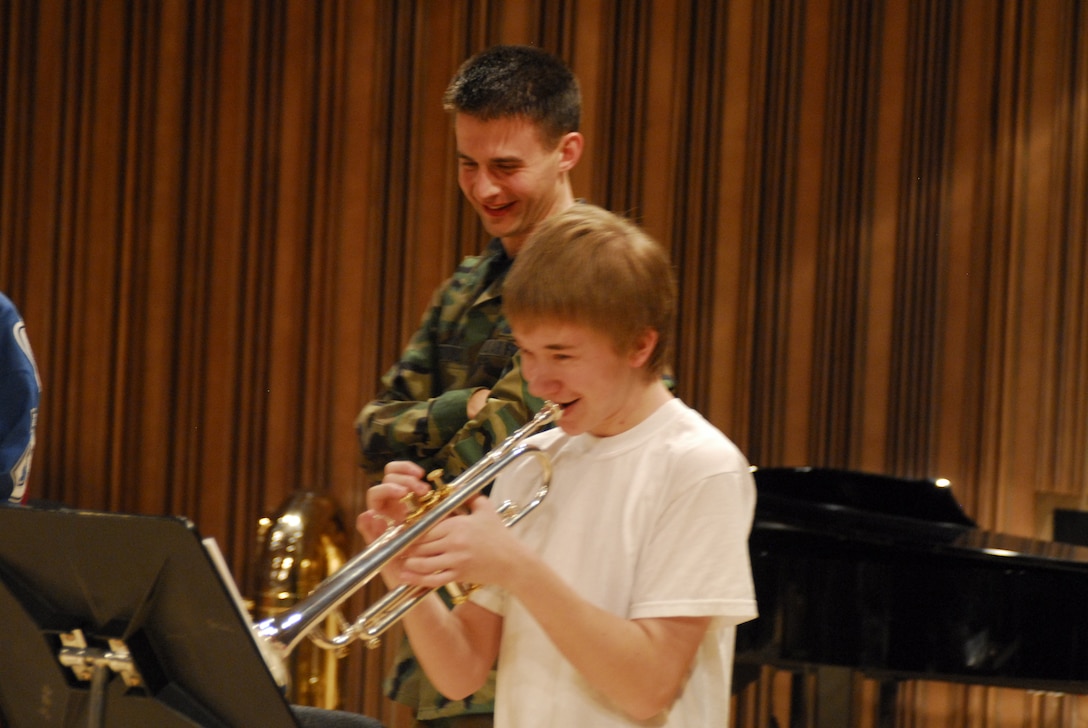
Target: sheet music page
point(271, 659)
point(212, 547)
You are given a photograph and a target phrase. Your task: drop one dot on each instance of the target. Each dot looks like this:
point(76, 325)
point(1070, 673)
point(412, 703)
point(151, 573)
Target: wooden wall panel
point(223, 218)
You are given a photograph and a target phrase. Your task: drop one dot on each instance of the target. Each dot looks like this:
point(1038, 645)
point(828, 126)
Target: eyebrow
point(493, 160)
point(548, 347)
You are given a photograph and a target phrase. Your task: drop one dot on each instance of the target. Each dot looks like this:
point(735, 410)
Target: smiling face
point(511, 177)
point(602, 390)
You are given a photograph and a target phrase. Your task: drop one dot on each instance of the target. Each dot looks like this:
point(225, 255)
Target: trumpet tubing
point(282, 633)
point(388, 610)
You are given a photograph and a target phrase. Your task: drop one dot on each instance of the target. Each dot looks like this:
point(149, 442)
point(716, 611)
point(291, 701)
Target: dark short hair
point(597, 269)
point(517, 80)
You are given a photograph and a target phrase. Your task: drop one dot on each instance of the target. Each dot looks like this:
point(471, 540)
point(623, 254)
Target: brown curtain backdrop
point(222, 220)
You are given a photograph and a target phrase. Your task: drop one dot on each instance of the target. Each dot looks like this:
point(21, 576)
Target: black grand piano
point(858, 572)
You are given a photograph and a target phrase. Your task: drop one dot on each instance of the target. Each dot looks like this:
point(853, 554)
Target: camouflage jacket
point(463, 344)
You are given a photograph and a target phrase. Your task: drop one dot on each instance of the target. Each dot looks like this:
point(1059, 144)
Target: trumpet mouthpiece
point(554, 411)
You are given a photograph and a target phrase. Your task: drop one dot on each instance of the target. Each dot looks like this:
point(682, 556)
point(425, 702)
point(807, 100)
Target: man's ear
point(570, 150)
point(644, 346)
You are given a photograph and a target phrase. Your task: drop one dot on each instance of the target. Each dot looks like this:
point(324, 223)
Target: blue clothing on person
point(20, 391)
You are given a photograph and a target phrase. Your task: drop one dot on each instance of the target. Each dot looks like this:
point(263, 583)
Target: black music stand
point(80, 589)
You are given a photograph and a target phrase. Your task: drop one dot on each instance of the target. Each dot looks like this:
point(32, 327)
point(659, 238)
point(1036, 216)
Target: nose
point(483, 185)
point(541, 384)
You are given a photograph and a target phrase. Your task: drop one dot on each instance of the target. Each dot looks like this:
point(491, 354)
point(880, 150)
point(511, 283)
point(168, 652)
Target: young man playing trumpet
point(614, 603)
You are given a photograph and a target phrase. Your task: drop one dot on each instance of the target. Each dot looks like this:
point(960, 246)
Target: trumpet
point(279, 635)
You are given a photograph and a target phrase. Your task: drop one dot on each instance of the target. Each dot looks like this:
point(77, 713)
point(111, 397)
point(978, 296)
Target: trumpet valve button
point(435, 477)
point(411, 500)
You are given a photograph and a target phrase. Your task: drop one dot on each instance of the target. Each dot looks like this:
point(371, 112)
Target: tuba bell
point(299, 546)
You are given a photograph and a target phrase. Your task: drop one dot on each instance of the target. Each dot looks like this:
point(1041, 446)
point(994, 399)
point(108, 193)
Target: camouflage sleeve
point(509, 407)
point(415, 417)
point(391, 429)
point(463, 345)
point(406, 423)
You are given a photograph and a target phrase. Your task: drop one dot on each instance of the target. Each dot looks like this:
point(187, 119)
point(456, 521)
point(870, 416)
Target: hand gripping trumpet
point(281, 634)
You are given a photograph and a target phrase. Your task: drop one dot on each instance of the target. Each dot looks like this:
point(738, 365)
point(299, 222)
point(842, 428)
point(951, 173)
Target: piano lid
point(890, 577)
point(874, 494)
point(870, 507)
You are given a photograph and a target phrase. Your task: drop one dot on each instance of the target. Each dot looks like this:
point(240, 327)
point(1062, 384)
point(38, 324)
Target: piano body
point(888, 577)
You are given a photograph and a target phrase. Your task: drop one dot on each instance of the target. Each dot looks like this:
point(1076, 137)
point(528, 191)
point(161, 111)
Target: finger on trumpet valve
point(418, 504)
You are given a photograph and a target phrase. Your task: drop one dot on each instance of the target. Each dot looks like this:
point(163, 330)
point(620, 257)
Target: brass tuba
point(281, 634)
point(299, 546)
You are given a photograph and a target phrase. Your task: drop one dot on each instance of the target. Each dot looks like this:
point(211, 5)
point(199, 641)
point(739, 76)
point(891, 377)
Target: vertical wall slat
point(221, 222)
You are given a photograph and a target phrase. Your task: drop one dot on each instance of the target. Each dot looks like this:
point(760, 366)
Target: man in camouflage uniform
point(457, 389)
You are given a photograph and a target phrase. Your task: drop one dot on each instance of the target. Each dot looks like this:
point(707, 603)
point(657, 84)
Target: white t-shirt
point(653, 522)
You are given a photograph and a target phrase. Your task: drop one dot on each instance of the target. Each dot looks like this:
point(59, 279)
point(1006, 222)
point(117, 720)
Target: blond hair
point(595, 268)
